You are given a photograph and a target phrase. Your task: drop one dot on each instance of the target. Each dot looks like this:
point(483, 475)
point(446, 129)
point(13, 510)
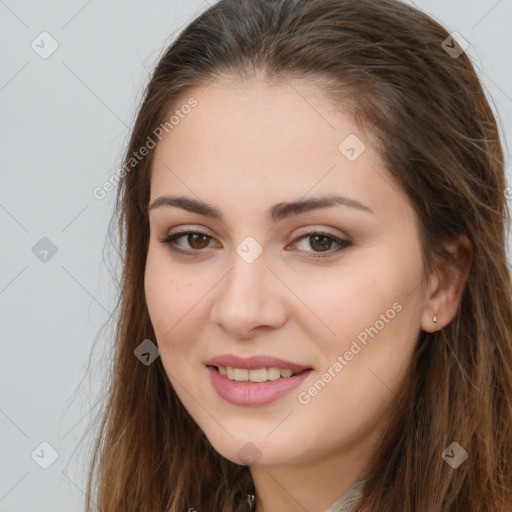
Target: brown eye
point(320, 242)
point(197, 240)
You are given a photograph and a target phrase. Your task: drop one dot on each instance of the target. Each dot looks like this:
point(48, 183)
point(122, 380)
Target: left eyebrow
point(276, 213)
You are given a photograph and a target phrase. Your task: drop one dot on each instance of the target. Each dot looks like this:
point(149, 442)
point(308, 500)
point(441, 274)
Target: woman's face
point(334, 293)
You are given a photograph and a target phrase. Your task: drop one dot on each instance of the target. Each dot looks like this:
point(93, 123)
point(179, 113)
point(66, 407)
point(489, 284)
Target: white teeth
point(260, 375)
point(273, 373)
point(240, 374)
point(256, 375)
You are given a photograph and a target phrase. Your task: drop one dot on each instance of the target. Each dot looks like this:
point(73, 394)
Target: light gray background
point(65, 122)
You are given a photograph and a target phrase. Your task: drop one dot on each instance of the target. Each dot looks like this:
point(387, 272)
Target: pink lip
point(254, 393)
point(254, 362)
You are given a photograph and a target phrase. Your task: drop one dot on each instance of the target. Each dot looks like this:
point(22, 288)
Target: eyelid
point(295, 234)
point(343, 241)
point(327, 230)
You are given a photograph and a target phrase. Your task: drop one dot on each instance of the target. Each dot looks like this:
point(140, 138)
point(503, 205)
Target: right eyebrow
point(276, 213)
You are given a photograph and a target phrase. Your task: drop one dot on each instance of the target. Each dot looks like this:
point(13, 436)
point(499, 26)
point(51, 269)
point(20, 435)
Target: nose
point(249, 299)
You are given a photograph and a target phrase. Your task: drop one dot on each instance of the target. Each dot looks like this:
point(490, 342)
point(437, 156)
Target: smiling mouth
point(257, 375)
point(254, 387)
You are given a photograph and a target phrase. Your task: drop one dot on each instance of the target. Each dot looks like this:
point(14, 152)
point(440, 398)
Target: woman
point(313, 218)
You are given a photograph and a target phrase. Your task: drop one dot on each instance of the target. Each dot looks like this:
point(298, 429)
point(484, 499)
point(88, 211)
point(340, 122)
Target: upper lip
point(254, 362)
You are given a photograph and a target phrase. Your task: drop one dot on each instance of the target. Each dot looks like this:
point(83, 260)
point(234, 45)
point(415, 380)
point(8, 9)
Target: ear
point(446, 285)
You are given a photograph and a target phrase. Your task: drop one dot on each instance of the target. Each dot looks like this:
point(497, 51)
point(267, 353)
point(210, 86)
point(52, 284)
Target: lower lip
point(254, 393)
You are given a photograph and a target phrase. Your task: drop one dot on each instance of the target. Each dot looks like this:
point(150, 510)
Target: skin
point(245, 147)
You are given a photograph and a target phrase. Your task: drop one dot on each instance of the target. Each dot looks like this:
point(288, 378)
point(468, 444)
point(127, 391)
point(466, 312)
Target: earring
point(435, 320)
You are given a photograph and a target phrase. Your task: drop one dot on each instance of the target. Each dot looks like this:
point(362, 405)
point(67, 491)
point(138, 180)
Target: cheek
point(364, 363)
point(344, 304)
point(176, 311)
point(370, 316)
point(157, 288)
point(166, 297)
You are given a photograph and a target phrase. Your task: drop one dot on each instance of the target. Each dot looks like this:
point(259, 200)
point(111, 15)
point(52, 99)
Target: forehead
point(256, 127)
point(267, 142)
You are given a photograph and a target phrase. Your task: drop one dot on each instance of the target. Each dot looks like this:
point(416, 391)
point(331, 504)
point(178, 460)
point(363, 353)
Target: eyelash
point(343, 244)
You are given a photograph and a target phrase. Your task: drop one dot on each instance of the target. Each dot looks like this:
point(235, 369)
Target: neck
point(312, 485)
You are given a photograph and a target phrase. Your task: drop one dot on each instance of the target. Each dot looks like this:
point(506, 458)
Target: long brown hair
point(392, 67)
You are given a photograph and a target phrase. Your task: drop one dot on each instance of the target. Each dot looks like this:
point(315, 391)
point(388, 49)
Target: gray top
point(346, 502)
